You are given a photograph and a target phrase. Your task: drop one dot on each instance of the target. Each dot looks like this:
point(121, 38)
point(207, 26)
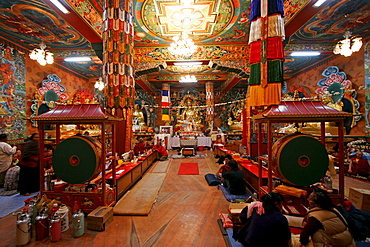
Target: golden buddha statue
point(138, 118)
point(189, 116)
point(235, 121)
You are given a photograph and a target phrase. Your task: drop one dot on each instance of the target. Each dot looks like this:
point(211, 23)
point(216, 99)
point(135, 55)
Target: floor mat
point(140, 199)
point(9, 204)
point(228, 236)
point(160, 167)
point(188, 169)
point(230, 197)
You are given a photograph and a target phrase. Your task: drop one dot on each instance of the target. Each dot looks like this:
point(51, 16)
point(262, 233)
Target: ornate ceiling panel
point(199, 18)
point(90, 14)
point(336, 18)
point(30, 22)
point(220, 28)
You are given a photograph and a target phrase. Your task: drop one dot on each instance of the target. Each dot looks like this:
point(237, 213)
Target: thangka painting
point(12, 94)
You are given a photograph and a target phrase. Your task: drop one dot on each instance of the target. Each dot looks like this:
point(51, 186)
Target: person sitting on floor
point(358, 165)
point(161, 151)
point(324, 224)
point(6, 155)
point(234, 179)
point(264, 224)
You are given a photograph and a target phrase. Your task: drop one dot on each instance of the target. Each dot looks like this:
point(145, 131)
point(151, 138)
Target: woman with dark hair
point(29, 176)
point(324, 224)
point(234, 179)
point(264, 224)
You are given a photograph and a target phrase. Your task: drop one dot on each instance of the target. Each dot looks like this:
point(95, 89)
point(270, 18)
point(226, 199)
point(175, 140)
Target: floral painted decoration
point(332, 75)
point(52, 83)
point(336, 91)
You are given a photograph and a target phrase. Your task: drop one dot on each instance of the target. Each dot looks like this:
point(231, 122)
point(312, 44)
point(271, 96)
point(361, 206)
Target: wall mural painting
point(367, 85)
point(230, 108)
point(336, 91)
point(12, 94)
point(84, 96)
point(48, 95)
point(145, 117)
point(299, 91)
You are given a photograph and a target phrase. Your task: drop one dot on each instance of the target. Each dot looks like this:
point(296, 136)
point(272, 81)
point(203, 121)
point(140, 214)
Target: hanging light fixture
point(99, 84)
point(183, 46)
point(41, 55)
point(348, 45)
point(188, 79)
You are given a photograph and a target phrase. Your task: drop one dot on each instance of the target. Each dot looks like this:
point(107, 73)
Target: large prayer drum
point(77, 159)
point(299, 159)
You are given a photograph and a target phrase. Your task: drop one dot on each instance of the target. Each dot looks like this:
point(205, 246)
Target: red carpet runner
point(188, 169)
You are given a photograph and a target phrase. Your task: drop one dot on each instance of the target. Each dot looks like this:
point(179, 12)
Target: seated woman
point(264, 224)
point(324, 224)
point(234, 179)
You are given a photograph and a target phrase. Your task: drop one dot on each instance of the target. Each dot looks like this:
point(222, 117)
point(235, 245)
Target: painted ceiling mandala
point(202, 19)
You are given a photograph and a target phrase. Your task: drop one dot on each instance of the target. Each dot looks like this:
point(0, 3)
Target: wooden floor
point(184, 214)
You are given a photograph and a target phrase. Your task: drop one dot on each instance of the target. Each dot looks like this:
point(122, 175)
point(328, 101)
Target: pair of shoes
point(25, 194)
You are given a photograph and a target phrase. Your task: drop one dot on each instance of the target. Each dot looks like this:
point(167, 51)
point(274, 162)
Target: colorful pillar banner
point(166, 102)
point(266, 52)
point(210, 103)
point(118, 43)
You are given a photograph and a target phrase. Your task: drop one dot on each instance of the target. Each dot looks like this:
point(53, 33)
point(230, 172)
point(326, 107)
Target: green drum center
point(304, 161)
point(74, 160)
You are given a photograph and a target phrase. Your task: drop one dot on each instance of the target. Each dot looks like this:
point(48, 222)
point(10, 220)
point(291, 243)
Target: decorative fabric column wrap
point(166, 102)
point(118, 46)
point(118, 74)
point(209, 103)
point(266, 52)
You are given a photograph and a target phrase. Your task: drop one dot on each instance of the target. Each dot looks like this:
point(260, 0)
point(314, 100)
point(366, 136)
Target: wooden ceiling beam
point(231, 84)
point(76, 22)
point(144, 86)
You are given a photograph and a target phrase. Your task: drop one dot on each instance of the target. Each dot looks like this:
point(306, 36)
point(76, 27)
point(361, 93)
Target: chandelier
point(99, 84)
point(183, 46)
point(41, 55)
point(188, 79)
point(348, 45)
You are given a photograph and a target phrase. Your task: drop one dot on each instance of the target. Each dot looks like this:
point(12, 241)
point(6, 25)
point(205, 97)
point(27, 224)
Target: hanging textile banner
point(266, 52)
point(166, 102)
